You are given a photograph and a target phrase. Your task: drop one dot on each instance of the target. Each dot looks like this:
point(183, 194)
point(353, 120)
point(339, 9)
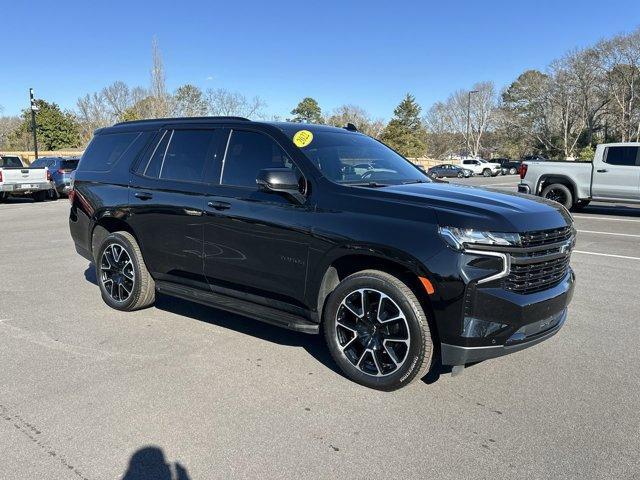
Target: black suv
point(318, 228)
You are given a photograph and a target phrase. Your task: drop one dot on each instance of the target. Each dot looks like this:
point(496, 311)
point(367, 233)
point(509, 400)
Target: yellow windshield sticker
point(302, 138)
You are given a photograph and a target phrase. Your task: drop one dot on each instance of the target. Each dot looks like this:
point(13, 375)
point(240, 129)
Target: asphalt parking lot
point(88, 392)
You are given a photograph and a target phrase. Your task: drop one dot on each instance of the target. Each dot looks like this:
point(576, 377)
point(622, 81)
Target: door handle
point(219, 205)
point(143, 195)
point(603, 170)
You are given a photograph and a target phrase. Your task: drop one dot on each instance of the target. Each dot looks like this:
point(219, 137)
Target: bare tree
point(621, 66)
point(221, 102)
point(8, 125)
point(160, 104)
point(357, 116)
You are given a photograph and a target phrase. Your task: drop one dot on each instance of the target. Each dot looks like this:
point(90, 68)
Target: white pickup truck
point(18, 180)
point(613, 176)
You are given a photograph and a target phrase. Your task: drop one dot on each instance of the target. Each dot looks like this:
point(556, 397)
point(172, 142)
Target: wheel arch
point(550, 179)
point(348, 263)
point(103, 226)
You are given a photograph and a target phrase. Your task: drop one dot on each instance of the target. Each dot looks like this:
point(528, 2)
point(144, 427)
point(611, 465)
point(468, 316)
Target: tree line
point(588, 96)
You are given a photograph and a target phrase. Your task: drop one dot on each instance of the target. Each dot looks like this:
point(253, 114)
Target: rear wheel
point(377, 331)
point(559, 193)
point(123, 278)
point(3, 197)
point(513, 171)
point(486, 172)
point(460, 174)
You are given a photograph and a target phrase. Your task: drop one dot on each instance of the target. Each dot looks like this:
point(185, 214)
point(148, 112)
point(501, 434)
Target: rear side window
point(622, 156)
point(247, 154)
point(183, 155)
point(105, 150)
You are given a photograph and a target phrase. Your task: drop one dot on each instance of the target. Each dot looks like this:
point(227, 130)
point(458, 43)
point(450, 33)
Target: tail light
point(48, 176)
point(523, 170)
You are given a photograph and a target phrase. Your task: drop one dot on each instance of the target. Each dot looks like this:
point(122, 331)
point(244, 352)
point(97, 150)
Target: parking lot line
point(607, 255)
point(613, 219)
point(610, 233)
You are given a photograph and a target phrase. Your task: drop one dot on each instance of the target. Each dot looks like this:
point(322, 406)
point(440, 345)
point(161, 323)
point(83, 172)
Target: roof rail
point(171, 119)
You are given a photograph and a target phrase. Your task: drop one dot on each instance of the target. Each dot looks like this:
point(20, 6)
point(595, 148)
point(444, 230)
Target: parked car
point(60, 170)
point(18, 180)
point(446, 170)
point(481, 167)
point(613, 176)
point(509, 167)
point(263, 219)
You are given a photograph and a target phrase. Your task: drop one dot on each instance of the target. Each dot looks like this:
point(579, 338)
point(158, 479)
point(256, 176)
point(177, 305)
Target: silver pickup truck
point(16, 179)
point(613, 176)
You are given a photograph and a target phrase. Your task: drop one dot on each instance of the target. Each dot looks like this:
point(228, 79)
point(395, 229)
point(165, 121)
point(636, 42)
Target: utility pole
point(469, 120)
point(34, 109)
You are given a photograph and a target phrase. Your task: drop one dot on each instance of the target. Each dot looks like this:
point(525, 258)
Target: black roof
point(286, 127)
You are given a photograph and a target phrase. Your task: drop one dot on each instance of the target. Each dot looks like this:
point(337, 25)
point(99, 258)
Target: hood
point(482, 208)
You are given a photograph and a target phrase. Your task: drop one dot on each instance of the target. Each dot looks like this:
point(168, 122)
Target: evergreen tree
point(308, 111)
point(55, 129)
point(405, 133)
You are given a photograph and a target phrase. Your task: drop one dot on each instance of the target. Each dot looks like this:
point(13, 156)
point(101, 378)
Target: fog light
point(476, 328)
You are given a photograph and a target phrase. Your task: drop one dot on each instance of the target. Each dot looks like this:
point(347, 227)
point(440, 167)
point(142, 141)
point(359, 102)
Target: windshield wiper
point(415, 181)
point(368, 184)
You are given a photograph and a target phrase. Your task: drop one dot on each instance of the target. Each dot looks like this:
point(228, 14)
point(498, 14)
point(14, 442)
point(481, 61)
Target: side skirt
point(263, 313)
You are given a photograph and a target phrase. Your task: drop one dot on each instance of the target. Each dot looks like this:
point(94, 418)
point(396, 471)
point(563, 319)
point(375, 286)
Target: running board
point(263, 313)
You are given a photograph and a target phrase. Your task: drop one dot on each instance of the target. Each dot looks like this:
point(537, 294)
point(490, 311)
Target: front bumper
point(502, 322)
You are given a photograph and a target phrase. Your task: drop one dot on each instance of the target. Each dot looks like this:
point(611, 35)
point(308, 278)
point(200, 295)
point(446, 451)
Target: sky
point(368, 53)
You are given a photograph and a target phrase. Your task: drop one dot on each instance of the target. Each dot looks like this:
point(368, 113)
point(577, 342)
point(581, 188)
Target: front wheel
point(513, 171)
point(486, 172)
point(123, 278)
point(460, 175)
point(377, 331)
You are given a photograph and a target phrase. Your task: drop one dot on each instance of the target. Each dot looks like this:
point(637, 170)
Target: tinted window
point(188, 153)
point(69, 164)
point(622, 155)
point(247, 154)
point(10, 162)
point(105, 150)
point(38, 163)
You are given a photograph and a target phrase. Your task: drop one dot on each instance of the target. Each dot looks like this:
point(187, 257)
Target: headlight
point(457, 238)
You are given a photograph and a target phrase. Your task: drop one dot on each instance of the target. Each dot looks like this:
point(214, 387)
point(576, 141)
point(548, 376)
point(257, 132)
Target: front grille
point(545, 237)
point(534, 277)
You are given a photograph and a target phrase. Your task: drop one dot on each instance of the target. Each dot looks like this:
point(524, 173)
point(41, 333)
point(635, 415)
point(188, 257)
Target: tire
point(486, 172)
point(39, 196)
point(3, 197)
point(580, 205)
point(353, 349)
point(513, 171)
point(558, 193)
point(134, 286)
point(460, 175)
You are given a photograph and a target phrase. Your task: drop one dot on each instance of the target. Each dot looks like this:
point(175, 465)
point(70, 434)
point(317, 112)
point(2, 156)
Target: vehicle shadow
point(611, 210)
point(149, 463)
point(313, 344)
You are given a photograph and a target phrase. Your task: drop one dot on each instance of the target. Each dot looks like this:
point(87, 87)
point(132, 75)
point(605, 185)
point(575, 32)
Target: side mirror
point(281, 180)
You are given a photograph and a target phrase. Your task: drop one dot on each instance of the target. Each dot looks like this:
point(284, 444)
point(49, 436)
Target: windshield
point(354, 158)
